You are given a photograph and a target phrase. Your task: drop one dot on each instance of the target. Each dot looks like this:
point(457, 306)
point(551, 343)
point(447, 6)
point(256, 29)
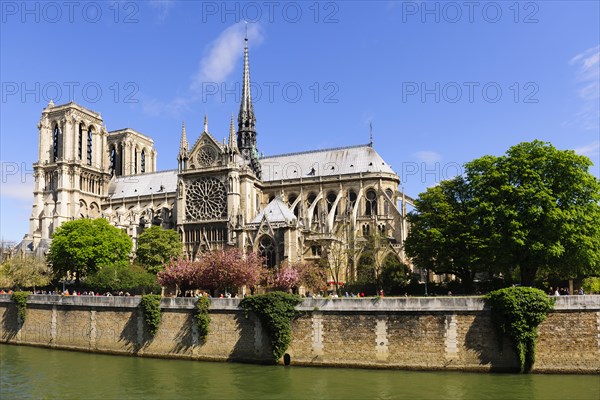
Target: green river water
point(29, 372)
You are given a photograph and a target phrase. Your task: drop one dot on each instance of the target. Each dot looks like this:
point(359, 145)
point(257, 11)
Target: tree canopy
point(84, 246)
point(533, 210)
point(544, 204)
point(27, 272)
point(449, 233)
point(215, 270)
point(156, 246)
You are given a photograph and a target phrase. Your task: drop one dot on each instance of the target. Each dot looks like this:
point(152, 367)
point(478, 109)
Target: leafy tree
point(449, 233)
point(312, 275)
point(394, 275)
point(223, 269)
point(544, 207)
point(370, 262)
point(532, 211)
point(334, 259)
point(215, 270)
point(180, 272)
point(591, 285)
point(156, 246)
point(83, 246)
point(26, 272)
point(285, 278)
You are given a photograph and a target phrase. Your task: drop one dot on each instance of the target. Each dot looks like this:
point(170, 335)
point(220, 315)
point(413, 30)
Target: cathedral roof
point(275, 211)
point(336, 161)
point(155, 183)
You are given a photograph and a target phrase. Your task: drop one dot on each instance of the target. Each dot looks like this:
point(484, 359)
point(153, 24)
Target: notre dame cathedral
point(289, 207)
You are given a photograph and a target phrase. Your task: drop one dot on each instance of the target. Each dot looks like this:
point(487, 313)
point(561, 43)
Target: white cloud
point(224, 53)
point(588, 74)
point(428, 156)
point(590, 150)
point(215, 66)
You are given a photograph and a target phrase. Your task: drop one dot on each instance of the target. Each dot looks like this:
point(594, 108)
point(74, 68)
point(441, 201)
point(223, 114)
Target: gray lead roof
point(155, 183)
point(337, 161)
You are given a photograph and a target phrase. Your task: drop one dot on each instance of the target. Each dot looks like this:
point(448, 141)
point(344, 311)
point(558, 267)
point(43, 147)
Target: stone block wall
point(409, 333)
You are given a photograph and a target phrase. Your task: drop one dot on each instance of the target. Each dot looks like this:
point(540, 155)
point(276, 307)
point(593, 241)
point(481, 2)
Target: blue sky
point(441, 82)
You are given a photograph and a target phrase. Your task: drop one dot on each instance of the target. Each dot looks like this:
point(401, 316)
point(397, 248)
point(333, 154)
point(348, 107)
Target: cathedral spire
point(246, 117)
point(232, 139)
point(183, 143)
point(246, 139)
point(184, 149)
point(205, 123)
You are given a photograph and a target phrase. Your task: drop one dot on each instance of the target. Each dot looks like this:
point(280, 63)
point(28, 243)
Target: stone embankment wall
point(453, 333)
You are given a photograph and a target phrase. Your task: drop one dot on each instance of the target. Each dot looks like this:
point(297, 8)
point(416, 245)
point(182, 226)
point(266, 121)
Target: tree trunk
point(528, 275)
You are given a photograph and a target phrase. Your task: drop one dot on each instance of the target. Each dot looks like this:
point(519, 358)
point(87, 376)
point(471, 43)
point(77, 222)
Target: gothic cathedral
point(290, 207)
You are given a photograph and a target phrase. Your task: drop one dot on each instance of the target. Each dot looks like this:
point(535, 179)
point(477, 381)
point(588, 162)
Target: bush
point(20, 299)
point(591, 285)
point(202, 317)
point(115, 277)
point(517, 312)
point(394, 278)
point(275, 311)
point(151, 306)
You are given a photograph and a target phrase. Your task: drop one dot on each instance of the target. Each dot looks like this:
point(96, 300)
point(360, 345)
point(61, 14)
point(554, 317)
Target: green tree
point(84, 246)
point(26, 272)
point(449, 232)
point(543, 204)
point(394, 275)
point(156, 246)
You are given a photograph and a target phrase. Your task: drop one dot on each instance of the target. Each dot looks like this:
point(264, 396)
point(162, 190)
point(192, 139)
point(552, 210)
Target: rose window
point(206, 156)
point(206, 199)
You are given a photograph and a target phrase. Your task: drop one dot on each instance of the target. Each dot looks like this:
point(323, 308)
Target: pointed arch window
point(266, 248)
point(371, 203)
point(80, 143)
point(89, 146)
point(120, 160)
point(386, 204)
point(55, 141)
point(143, 161)
point(135, 161)
point(113, 160)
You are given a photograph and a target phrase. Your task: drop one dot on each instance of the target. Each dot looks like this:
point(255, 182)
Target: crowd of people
point(565, 291)
point(68, 292)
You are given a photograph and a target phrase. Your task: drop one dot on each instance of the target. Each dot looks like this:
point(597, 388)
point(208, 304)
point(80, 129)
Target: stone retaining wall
point(451, 333)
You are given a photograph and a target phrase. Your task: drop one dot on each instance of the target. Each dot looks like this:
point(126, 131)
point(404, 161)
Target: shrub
point(517, 312)
point(202, 317)
point(132, 278)
point(151, 307)
point(20, 299)
point(275, 311)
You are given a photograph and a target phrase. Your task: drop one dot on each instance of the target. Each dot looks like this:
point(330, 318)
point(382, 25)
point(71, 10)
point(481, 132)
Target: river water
point(30, 372)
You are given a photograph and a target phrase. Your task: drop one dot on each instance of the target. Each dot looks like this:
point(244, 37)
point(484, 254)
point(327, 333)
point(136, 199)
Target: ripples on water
point(27, 372)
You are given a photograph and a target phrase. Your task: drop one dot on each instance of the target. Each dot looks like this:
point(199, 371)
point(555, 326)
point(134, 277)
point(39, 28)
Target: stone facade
point(291, 207)
point(411, 333)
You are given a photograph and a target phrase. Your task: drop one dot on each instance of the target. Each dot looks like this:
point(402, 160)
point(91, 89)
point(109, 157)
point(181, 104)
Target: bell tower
point(71, 174)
